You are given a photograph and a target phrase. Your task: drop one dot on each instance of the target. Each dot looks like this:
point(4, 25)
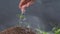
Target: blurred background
point(9, 10)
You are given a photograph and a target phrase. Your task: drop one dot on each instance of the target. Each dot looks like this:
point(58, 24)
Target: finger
point(23, 9)
point(23, 2)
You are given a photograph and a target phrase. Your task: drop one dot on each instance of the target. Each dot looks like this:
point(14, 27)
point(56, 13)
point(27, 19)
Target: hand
point(24, 4)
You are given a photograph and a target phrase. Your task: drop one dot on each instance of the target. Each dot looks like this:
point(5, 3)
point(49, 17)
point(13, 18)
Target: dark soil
point(17, 30)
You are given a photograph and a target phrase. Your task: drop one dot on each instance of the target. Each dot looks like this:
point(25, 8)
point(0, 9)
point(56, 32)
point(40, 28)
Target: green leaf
point(57, 32)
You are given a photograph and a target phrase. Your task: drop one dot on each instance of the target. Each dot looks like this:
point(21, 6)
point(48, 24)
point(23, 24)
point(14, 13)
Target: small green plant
point(22, 19)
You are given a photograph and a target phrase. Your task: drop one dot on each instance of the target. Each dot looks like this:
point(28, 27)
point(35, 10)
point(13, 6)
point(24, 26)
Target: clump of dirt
point(17, 30)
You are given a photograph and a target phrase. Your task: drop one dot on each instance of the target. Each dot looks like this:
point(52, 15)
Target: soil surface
point(17, 30)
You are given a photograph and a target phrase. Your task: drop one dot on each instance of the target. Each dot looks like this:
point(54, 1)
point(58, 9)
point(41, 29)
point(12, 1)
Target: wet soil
point(17, 30)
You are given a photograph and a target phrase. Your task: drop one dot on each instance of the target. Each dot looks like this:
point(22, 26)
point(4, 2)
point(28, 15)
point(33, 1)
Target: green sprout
point(22, 16)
